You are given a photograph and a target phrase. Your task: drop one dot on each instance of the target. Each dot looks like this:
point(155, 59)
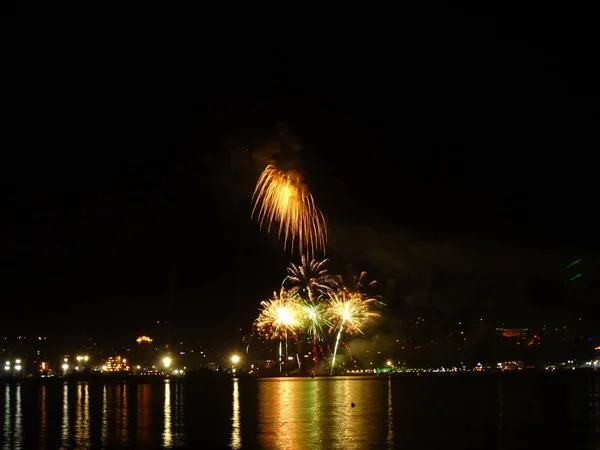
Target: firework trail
point(314, 320)
point(350, 311)
point(282, 198)
point(277, 317)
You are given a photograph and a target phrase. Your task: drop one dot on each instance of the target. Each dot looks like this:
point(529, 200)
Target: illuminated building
point(116, 364)
point(145, 354)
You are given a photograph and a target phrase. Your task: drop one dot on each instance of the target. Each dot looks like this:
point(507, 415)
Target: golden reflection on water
point(167, 431)
point(18, 420)
point(285, 418)
point(342, 413)
point(104, 427)
point(314, 425)
point(82, 417)
point(123, 407)
point(65, 429)
point(143, 434)
point(43, 417)
point(318, 413)
point(236, 433)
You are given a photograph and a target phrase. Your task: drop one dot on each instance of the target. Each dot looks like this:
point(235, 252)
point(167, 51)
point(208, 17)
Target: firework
point(350, 312)
point(311, 279)
point(314, 318)
point(278, 316)
point(282, 198)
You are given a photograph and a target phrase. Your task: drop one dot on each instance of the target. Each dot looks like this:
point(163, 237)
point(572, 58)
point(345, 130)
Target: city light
point(235, 359)
point(143, 339)
point(17, 367)
point(167, 362)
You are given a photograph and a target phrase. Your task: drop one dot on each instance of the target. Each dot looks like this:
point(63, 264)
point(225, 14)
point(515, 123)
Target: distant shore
point(221, 376)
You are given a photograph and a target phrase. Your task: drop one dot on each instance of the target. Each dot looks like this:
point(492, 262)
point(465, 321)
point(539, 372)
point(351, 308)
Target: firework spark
point(278, 316)
point(282, 197)
point(350, 312)
point(314, 318)
point(311, 279)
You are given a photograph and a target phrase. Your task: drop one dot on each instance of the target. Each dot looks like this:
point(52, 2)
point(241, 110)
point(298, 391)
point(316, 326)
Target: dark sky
point(454, 156)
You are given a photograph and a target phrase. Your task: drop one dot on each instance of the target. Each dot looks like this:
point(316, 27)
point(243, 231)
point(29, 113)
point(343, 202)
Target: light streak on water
point(167, 431)
point(18, 420)
point(7, 435)
point(123, 407)
point(43, 418)
point(65, 435)
point(82, 420)
point(236, 433)
point(390, 416)
point(104, 430)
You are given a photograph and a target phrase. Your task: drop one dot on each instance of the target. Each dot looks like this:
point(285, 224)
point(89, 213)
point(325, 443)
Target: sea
point(478, 411)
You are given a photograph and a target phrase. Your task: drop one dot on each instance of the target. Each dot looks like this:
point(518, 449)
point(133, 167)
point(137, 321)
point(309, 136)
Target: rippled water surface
point(472, 412)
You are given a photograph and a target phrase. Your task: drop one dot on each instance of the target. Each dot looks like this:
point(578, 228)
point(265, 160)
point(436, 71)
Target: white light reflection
point(167, 432)
point(65, 432)
point(390, 416)
point(18, 419)
point(236, 433)
point(7, 435)
point(104, 430)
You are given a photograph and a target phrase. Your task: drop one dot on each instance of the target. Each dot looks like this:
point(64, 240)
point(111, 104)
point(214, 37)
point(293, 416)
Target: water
point(472, 412)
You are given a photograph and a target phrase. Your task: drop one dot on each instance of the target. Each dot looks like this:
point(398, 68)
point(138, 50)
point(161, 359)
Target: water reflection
point(595, 409)
point(167, 431)
point(286, 417)
point(65, 435)
point(177, 417)
point(289, 413)
point(18, 419)
point(104, 423)
point(43, 417)
point(82, 417)
point(236, 434)
point(390, 416)
point(315, 411)
point(143, 435)
point(318, 414)
point(122, 417)
point(7, 435)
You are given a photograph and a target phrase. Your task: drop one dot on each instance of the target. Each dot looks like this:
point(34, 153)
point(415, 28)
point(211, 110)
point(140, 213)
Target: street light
point(235, 359)
point(167, 362)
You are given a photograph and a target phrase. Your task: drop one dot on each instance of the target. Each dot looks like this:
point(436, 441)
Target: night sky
point(454, 158)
